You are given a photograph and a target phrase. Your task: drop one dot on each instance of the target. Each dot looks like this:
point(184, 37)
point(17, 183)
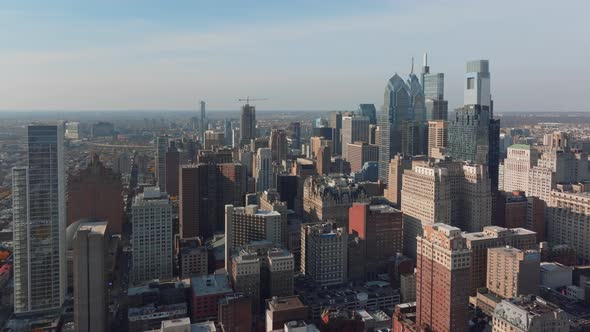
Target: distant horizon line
point(237, 110)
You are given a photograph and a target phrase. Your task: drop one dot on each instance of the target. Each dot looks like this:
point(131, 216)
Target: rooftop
point(284, 303)
point(211, 284)
point(520, 146)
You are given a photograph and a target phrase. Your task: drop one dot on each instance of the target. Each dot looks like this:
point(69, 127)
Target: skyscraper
point(205, 188)
point(161, 143)
point(227, 132)
point(438, 138)
point(354, 129)
point(203, 122)
point(336, 124)
point(39, 215)
point(172, 165)
point(278, 145)
point(520, 159)
point(434, 88)
point(294, 132)
point(324, 253)
point(402, 121)
point(151, 235)
point(369, 111)
point(442, 279)
point(96, 192)
point(247, 124)
point(264, 170)
point(90, 279)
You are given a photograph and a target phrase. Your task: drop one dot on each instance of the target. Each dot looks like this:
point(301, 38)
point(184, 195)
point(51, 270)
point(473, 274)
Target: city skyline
point(111, 56)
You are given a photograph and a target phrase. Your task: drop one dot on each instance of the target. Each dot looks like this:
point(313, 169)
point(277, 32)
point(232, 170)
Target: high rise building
point(203, 121)
point(324, 253)
point(261, 271)
point(324, 159)
point(493, 237)
point(246, 224)
point(264, 171)
point(204, 191)
point(474, 134)
point(172, 169)
point(39, 222)
point(278, 145)
point(442, 279)
point(161, 149)
point(361, 152)
point(369, 111)
point(329, 197)
point(90, 280)
point(514, 209)
point(336, 137)
point(438, 138)
point(247, 124)
point(354, 129)
point(377, 232)
point(529, 314)
point(151, 236)
point(512, 272)
point(193, 257)
point(520, 159)
point(214, 139)
point(294, 133)
point(235, 313)
point(96, 192)
point(402, 121)
point(397, 165)
point(227, 132)
point(567, 215)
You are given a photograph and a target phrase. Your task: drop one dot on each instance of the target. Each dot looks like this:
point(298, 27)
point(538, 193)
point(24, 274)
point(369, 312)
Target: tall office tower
point(474, 134)
point(235, 313)
point(203, 122)
point(377, 233)
point(302, 169)
point(287, 189)
point(437, 108)
point(520, 159)
point(294, 133)
point(262, 270)
point(90, 280)
point(247, 124)
point(558, 140)
point(324, 253)
point(529, 314)
point(446, 192)
point(402, 121)
point(278, 145)
point(316, 142)
point(235, 138)
point(361, 152)
point(151, 235)
point(161, 149)
point(493, 237)
point(270, 200)
point(438, 138)
point(336, 125)
point(513, 272)
point(323, 160)
point(246, 224)
point(397, 165)
point(442, 279)
point(426, 198)
point(369, 111)
point(96, 192)
point(567, 219)
point(264, 172)
point(227, 132)
point(354, 129)
point(204, 191)
point(327, 198)
point(39, 217)
point(172, 169)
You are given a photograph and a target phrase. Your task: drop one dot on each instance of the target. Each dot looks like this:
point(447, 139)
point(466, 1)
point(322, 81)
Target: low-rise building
point(206, 291)
point(529, 314)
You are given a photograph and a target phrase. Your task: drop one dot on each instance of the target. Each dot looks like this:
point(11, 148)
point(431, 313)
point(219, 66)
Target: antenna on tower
point(412, 71)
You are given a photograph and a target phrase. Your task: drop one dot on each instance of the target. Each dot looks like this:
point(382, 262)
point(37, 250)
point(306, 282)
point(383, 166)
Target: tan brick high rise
point(442, 279)
point(438, 133)
point(513, 272)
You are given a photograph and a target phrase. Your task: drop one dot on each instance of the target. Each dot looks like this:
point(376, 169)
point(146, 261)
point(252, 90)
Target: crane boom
point(248, 99)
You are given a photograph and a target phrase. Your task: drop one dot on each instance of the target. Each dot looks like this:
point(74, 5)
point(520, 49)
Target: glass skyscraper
point(369, 111)
point(40, 223)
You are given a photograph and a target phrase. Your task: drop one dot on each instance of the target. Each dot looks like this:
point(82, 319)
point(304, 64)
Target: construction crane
point(247, 99)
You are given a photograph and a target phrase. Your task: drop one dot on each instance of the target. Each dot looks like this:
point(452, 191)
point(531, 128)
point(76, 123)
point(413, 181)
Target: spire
point(425, 59)
point(412, 71)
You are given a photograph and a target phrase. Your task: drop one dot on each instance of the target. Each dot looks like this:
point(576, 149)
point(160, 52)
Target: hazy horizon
point(308, 56)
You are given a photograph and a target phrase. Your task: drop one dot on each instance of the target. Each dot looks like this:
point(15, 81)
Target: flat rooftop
point(285, 303)
point(211, 284)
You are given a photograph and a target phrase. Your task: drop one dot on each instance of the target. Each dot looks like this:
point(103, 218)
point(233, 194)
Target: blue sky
point(309, 55)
